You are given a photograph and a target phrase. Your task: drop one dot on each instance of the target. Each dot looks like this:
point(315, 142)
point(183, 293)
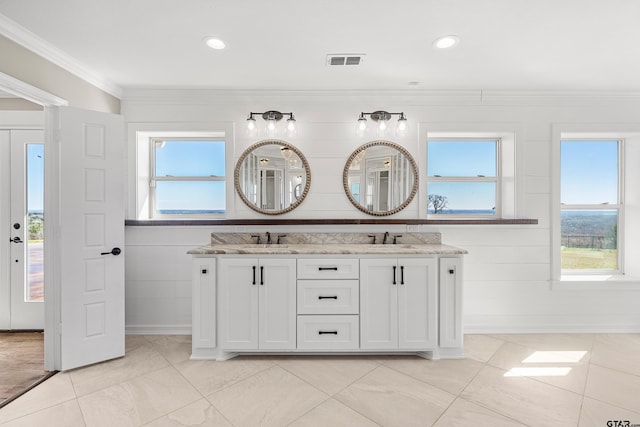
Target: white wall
point(508, 269)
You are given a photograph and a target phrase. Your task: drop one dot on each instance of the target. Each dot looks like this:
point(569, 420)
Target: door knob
point(114, 251)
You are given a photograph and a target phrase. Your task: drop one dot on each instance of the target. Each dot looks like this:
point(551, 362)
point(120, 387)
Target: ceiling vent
point(345, 59)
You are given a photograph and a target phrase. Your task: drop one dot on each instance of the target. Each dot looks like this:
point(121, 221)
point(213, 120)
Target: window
point(591, 206)
point(187, 177)
point(463, 177)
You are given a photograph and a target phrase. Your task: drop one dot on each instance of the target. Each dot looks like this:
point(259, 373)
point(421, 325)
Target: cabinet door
point(451, 303)
point(277, 310)
point(238, 303)
point(378, 304)
point(203, 331)
point(417, 304)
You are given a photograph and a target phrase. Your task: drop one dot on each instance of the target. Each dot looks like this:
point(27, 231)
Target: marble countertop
point(327, 249)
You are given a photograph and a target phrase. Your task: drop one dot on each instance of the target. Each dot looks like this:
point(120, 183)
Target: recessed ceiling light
point(446, 42)
point(215, 43)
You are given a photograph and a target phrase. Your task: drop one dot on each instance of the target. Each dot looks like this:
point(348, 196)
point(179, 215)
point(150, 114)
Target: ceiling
point(583, 45)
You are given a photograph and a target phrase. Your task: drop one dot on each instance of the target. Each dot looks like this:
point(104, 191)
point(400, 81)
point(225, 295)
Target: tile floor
point(506, 380)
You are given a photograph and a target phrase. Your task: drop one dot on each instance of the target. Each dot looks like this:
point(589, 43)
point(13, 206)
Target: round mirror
point(380, 178)
point(272, 177)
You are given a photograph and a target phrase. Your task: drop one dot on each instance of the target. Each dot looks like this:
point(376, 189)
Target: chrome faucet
point(385, 238)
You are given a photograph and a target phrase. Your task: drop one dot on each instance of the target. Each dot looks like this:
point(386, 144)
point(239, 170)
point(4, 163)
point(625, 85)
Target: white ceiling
point(282, 44)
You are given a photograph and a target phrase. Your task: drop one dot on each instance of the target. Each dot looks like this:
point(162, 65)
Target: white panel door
point(417, 304)
point(238, 280)
point(91, 236)
point(277, 309)
point(378, 304)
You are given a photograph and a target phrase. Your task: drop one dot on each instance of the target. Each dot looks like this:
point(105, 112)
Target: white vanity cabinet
point(257, 303)
point(336, 298)
point(398, 303)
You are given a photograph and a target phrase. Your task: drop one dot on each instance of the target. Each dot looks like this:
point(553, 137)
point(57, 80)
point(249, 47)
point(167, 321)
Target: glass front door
point(27, 230)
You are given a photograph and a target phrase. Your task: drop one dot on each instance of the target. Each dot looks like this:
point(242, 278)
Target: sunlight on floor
point(546, 357)
point(555, 357)
point(538, 372)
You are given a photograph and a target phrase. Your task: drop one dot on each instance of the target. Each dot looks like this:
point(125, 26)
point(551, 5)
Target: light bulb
point(272, 130)
point(286, 152)
point(291, 130)
point(361, 126)
point(402, 127)
point(382, 128)
point(252, 128)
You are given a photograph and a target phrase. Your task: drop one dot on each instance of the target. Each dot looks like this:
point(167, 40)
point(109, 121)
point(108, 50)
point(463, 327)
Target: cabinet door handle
point(402, 274)
point(327, 268)
point(261, 275)
point(254, 275)
point(327, 332)
point(394, 275)
point(328, 297)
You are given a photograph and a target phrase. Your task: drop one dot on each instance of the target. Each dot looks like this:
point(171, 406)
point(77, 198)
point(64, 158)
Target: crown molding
point(46, 50)
point(26, 91)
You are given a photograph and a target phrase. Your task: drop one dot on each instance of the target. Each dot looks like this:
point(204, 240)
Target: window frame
point(497, 179)
point(630, 280)
point(619, 207)
point(138, 134)
point(153, 178)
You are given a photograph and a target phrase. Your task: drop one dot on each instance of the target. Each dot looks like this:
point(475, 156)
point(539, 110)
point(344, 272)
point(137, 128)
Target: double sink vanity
point(327, 293)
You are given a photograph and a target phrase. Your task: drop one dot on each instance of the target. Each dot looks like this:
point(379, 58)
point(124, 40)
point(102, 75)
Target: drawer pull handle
point(254, 275)
point(261, 276)
point(327, 332)
point(327, 268)
point(394, 275)
point(402, 274)
point(328, 297)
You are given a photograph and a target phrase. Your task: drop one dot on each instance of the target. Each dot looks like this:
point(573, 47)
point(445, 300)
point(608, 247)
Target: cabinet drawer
point(328, 297)
point(328, 332)
point(328, 268)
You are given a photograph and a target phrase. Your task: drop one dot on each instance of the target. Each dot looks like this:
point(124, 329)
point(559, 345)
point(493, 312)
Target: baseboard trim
point(498, 324)
point(158, 330)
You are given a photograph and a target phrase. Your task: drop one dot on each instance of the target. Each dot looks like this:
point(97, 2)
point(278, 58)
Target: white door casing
point(88, 278)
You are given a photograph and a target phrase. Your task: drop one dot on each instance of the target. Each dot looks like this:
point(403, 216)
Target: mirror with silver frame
point(272, 177)
point(380, 178)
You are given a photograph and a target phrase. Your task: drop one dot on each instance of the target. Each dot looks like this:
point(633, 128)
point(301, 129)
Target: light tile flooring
point(506, 380)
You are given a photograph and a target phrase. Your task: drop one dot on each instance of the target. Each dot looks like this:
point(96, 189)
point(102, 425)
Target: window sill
point(602, 282)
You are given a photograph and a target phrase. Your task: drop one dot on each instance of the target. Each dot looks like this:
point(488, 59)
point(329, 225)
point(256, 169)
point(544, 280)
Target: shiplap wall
point(508, 269)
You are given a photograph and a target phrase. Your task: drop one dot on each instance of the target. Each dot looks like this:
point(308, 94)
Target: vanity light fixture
point(264, 162)
point(272, 118)
point(382, 128)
